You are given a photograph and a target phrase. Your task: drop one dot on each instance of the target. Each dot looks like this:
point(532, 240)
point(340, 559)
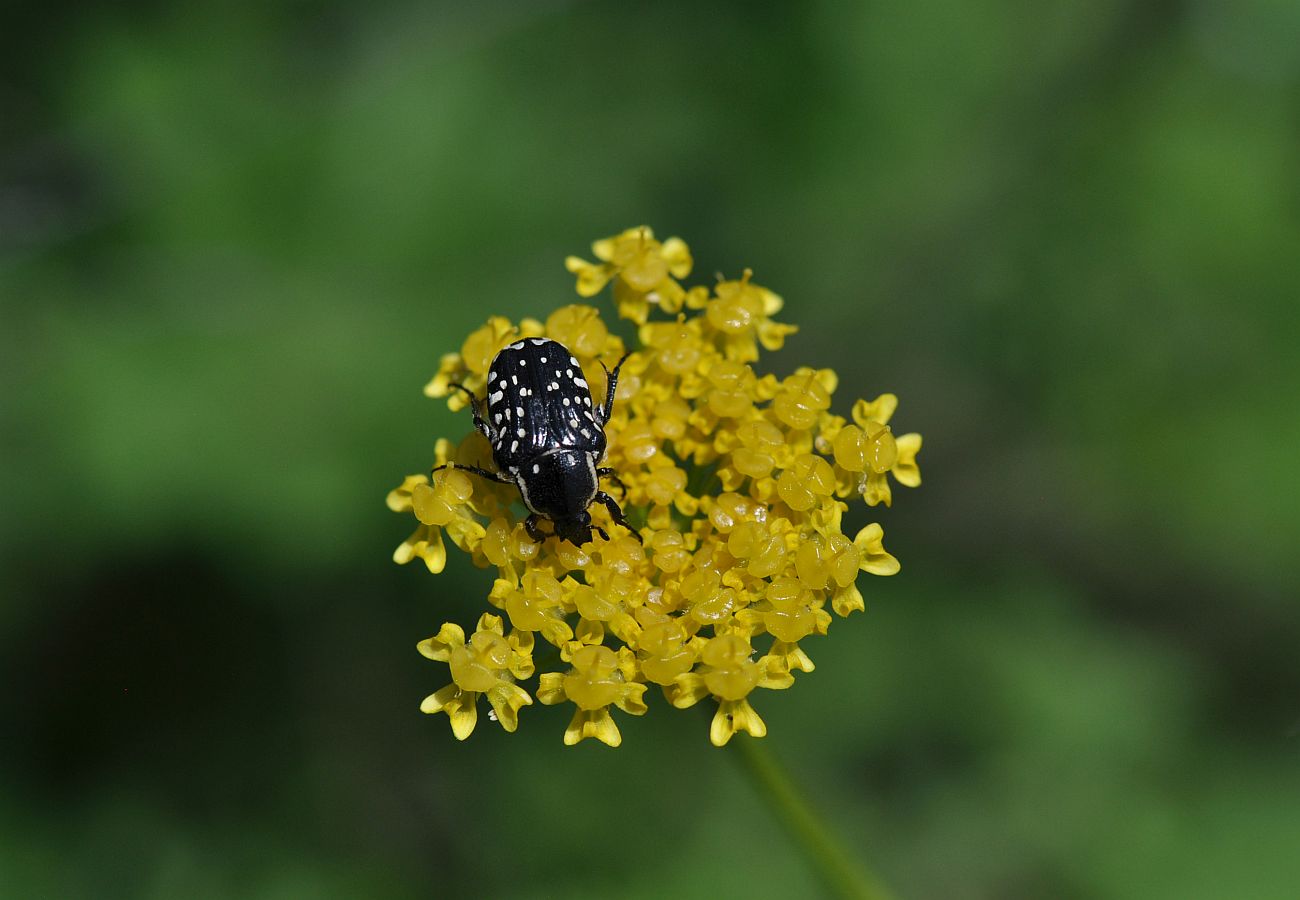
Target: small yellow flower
point(645, 272)
point(737, 484)
point(488, 663)
point(728, 673)
point(598, 679)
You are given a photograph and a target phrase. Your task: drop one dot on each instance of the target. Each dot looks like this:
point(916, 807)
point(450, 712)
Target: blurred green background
point(236, 237)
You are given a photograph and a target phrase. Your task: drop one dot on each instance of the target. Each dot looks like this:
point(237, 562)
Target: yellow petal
point(847, 600)
point(506, 700)
point(591, 278)
point(489, 622)
point(436, 701)
point(720, 729)
point(433, 551)
point(793, 657)
point(772, 335)
point(550, 688)
point(521, 659)
point(556, 632)
point(463, 711)
point(733, 716)
point(776, 671)
point(875, 559)
point(631, 701)
point(449, 370)
point(687, 690)
point(596, 723)
point(406, 550)
point(678, 256)
point(905, 469)
point(879, 410)
point(632, 304)
point(439, 647)
point(589, 632)
point(876, 490)
point(399, 498)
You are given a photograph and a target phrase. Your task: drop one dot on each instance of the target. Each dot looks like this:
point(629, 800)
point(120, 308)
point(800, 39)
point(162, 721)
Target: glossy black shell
point(539, 403)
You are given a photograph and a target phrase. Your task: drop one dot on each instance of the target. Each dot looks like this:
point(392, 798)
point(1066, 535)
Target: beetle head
point(575, 529)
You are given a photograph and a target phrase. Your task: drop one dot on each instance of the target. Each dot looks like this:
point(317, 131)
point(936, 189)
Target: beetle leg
point(480, 422)
point(608, 409)
point(604, 535)
point(491, 476)
point(534, 532)
point(616, 513)
point(607, 472)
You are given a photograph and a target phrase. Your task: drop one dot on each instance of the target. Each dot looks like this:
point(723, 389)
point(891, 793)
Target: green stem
point(844, 875)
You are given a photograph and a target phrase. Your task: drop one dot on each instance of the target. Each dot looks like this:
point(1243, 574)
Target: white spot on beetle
point(497, 418)
point(492, 376)
point(566, 401)
point(568, 372)
point(502, 385)
point(514, 445)
point(520, 432)
point(586, 400)
point(580, 382)
point(523, 362)
point(519, 411)
point(573, 360)
point(514, 379)
point(536, 468)
point(494, 397)
point(543, 359)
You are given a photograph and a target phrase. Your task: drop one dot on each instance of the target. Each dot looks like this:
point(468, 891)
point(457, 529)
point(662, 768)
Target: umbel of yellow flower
point(736, 483)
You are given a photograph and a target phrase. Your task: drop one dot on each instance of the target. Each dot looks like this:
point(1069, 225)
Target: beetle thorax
point(558, 485)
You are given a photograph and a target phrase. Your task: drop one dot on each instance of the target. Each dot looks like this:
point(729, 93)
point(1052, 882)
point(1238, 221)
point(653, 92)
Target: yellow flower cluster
point(735, 482)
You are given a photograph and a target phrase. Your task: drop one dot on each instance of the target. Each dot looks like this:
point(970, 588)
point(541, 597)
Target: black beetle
point(547, 438)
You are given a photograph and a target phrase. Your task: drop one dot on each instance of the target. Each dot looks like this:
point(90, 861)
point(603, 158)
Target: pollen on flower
point(736, 483)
